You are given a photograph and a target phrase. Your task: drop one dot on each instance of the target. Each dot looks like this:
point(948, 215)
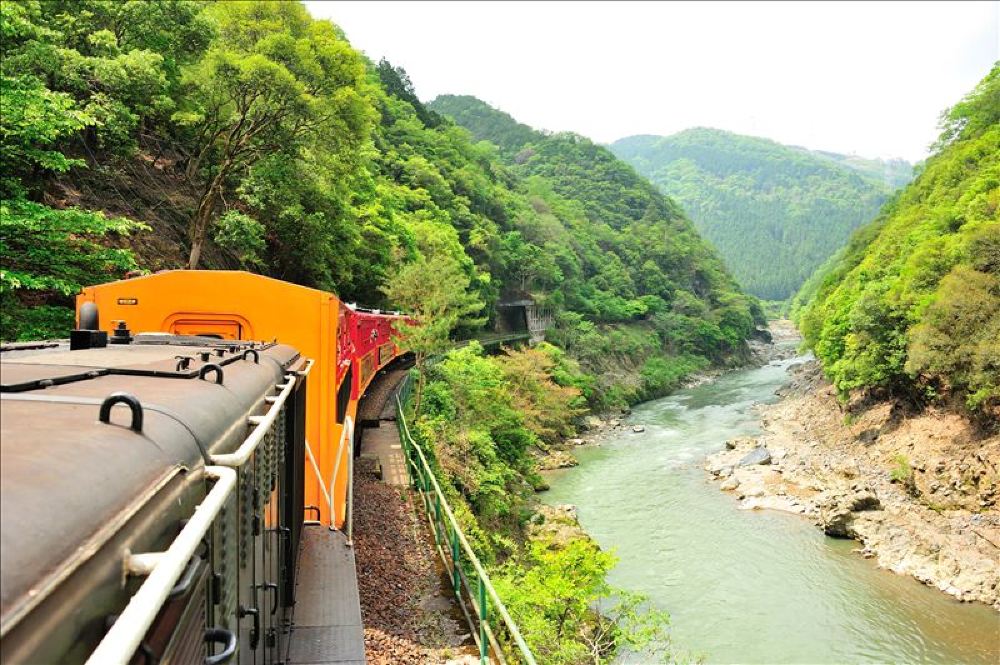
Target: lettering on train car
point(367, 368)
point(385, 353)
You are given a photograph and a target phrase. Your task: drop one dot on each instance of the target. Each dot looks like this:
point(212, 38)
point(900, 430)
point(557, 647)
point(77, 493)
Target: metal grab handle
point(211, 367)
point(122, 398)
point(271, 586)
point(220, 636)
point(187, 578)
point(255, 633)
point(256, 356)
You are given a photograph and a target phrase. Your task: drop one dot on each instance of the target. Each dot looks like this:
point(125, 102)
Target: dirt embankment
point(920, 493)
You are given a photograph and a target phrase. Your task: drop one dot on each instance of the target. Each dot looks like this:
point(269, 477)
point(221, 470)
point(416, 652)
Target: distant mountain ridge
point(774, 212)
point(896, 173)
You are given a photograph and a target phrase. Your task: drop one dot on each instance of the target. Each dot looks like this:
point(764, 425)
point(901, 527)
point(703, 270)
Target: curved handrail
point(483, 577)
point(164, 569)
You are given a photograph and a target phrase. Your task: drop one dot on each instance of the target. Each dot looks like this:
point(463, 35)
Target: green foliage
point(481, 438)
point(53, 251)
point(597, 242)
point(486, 122)
point(911, 303)
point(274, 82)
point(548, 408)
point(34, 119)
point(774, 212)
point(902, 473)
point(65, 77)
point(958, 340)
point(241, 235)
point(20, 322)
point(435, 305)
point(553, 594)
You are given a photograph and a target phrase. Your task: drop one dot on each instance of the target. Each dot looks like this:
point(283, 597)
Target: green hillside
point(604, 246)
point(774, 212)
point(912, 305)
point(485, 122)
point(184, 136)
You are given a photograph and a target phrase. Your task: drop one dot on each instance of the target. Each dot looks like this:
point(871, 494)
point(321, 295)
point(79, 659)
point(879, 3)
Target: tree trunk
point(420, 389)
point(202, 219)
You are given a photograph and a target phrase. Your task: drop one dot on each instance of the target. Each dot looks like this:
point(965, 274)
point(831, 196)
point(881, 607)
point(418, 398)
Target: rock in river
point(837, 516)
point(756, 456)
point(638, 429)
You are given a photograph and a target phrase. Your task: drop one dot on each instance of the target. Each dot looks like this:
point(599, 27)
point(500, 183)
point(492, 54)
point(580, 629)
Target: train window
point(344, 394)
point(217, 328)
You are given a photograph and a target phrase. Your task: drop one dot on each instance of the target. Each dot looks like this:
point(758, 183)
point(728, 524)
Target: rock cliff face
point(919, 492)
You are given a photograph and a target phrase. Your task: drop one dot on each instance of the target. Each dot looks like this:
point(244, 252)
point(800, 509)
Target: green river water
point(750, 586)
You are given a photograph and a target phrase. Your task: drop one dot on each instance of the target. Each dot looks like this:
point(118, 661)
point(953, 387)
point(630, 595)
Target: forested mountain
point(912, 305)
point(604, 245)
point(485, 122)
point(158, 135)
point(894, 173)
point(774, 212)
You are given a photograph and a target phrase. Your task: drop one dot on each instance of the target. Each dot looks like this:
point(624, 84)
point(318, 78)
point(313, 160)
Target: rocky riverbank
point(919, 492)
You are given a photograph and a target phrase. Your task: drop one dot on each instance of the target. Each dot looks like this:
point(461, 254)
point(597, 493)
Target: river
point(750, 586)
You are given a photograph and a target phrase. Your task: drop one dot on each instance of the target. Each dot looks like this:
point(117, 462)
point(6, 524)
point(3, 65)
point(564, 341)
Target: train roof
point(67, 478)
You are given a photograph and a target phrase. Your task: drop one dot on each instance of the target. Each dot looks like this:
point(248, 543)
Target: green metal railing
point(469, 580)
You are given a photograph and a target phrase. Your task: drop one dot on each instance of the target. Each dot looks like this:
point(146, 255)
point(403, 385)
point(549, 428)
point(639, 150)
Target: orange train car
point(348, 346)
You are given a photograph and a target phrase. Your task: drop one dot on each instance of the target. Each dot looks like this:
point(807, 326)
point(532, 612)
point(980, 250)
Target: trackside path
point(407, 608)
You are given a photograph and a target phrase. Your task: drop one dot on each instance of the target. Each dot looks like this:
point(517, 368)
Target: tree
point(556, 599)
point(434, 293)
point(263, 91)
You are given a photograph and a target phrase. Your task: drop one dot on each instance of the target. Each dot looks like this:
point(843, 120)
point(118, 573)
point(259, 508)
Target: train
point(159, 468)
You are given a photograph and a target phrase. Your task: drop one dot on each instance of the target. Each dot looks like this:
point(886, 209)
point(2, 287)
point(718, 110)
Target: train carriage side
point(348, 347)
point(150, 494)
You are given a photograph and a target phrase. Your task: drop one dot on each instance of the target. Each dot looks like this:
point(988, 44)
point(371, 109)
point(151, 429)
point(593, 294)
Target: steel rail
point(119, 644)
point(483, 577)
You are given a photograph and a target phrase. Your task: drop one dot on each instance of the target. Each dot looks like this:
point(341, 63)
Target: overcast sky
point(864, 78)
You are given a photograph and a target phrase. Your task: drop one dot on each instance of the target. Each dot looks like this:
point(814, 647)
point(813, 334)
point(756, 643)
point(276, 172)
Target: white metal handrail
point(319, 476)
point(263, 423)
point(165, 568)
point(346, 434)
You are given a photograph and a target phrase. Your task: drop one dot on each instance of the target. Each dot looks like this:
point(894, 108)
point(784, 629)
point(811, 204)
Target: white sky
point(852, 77)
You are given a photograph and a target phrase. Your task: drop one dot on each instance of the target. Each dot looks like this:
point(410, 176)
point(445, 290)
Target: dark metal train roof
point(66, 478)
